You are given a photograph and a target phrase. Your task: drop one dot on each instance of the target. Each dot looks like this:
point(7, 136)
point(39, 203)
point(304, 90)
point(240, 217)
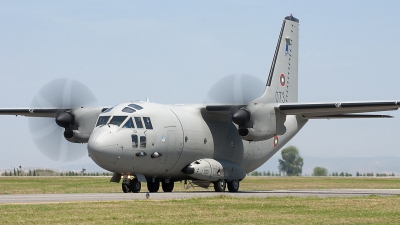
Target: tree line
point(49, 172)
point(292, 163)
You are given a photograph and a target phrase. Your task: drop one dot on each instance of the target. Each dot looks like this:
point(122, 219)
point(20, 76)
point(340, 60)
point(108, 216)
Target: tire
point(153, 186)
point(135, 186)
point(233, 186)
point(220, 185)
point(167, 187)
point(125, 188)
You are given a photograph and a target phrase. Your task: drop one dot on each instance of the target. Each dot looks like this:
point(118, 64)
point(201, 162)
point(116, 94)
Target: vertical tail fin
point(282, 84)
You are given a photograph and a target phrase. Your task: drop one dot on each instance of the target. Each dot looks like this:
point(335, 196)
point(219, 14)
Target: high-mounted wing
point(31, 112)
point(338, 110)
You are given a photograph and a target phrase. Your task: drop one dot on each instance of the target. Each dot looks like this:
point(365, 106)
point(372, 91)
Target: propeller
point(47, 134)
point(238, 90)
point(235, 89)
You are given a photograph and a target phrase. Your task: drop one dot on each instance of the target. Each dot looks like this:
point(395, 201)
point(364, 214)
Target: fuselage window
point(147, 123)
point(134, 141)
point(102, 120)
point(129, 124)
point(139, 123)
point(128, 110)
point(142, 141)
point(117, 120)
point(138, 107)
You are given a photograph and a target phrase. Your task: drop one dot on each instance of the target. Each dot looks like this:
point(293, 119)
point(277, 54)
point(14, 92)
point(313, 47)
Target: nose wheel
point(131, 185)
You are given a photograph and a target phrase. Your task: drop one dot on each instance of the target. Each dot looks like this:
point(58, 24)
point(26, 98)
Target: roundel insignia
point(276, 141)
point(282, 79)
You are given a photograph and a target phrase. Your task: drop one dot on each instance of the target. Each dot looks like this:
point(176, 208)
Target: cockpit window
point(147, 123)
point(139, 123)
point(117, 120)
point(102, 120)
point(128, 110)
point(108, 110)
point(129, 124)
point(138, 107)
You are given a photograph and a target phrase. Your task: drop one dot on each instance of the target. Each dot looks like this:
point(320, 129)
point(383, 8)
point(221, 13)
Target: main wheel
point(233, 186)
point(220, 185)
point(153, 186)
point(135, 185)
point(167, 187)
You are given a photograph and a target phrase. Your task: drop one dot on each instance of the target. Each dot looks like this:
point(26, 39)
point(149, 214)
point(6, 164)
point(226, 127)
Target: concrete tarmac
point(58, 198)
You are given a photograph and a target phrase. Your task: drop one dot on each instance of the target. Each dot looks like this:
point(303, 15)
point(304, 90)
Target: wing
point(338, 110)
point(333, 110)
point(39, 112)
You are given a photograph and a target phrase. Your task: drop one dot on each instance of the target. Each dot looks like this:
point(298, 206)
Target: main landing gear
point(134, 185)
point(167, 186)
point(220, 185)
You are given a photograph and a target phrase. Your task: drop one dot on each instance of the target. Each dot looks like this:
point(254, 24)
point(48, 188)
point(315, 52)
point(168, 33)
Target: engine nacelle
point(78, 123)
point(213, 170)
point(265, 122)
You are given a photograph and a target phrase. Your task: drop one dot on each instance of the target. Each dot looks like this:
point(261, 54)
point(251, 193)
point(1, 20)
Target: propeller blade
point(235, 89)
point(63, 93)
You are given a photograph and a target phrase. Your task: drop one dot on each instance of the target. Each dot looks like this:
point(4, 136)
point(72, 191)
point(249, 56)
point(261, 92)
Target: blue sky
point(174, 51)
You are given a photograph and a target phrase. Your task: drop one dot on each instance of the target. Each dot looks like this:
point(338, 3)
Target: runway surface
point(55, 198)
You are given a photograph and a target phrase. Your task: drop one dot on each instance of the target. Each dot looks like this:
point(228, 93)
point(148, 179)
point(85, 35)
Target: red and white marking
point(282, 79)
point(276, 141)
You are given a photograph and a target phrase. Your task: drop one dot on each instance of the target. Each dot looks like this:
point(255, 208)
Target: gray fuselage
point(180, 134)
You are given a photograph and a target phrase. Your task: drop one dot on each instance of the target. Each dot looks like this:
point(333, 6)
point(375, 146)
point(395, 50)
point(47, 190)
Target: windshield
point(117, 120)
point(129, 124)
point(102, 120)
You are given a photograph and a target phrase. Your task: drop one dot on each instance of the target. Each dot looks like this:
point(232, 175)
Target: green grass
point(226, 210)
point(49, 185)
point(221, 209)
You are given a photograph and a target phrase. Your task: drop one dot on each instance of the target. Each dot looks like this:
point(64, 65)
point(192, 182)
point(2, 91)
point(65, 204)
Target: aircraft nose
point(103, 144)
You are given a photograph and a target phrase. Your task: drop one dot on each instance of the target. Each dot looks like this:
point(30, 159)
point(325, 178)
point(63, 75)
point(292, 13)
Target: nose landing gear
point(129, 185)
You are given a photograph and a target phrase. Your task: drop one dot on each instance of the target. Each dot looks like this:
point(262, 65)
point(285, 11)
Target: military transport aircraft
point(206, 143)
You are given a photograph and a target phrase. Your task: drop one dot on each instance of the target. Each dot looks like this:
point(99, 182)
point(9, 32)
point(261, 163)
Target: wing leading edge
point(339, 109)
point(333, 110)
point(31, 112)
